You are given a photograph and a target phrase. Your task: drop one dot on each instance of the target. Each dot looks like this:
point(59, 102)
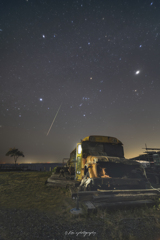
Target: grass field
point(27, 190)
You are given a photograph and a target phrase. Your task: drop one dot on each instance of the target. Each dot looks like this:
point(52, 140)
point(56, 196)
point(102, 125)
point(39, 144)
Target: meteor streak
point(53, 120)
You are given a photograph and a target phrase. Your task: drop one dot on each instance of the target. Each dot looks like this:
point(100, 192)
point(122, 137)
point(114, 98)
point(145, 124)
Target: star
point(137, 72)
point(41, 99)
point(43, 36)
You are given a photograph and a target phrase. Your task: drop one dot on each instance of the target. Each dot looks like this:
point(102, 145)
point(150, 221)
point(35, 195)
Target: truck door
point(78, 161)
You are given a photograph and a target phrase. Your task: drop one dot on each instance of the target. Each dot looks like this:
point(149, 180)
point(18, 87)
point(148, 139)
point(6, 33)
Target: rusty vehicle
point(100, 164)
point(103, 175)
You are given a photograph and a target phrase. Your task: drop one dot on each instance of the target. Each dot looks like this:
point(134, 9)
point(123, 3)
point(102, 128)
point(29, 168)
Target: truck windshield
point(102, 149)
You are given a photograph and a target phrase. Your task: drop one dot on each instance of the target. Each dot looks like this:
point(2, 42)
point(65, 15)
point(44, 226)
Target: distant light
point(19, 115)
point(89, 43)
point(140, 46)
point(151, 4)
point(43, 36)
point(41, 99)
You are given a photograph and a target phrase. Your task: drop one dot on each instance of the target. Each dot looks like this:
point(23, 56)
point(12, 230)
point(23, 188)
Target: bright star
point(41, 99)
point(137, 72)
point(43, 36)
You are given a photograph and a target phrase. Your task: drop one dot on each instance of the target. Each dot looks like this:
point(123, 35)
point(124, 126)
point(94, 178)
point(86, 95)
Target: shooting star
point(53, 120)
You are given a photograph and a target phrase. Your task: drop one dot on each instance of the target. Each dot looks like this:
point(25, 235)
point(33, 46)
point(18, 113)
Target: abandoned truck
point(103, 176)
point(98, 163)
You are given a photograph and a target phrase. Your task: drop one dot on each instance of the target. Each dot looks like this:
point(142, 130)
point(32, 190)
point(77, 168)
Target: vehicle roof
point(99, 138)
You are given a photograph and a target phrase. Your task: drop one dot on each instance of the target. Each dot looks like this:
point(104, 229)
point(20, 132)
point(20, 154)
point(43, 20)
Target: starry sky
point(74, 68)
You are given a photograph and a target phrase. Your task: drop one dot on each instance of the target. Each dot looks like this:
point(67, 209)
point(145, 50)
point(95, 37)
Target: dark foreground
point(34, 225)
point(29, 210)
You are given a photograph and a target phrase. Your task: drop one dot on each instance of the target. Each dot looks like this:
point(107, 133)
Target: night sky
point(96, 61)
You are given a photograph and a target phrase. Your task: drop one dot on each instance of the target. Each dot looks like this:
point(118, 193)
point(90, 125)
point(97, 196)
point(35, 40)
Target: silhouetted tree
point(14, 152)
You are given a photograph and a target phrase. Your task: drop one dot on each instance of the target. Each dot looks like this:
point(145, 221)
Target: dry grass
point(27, 190)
